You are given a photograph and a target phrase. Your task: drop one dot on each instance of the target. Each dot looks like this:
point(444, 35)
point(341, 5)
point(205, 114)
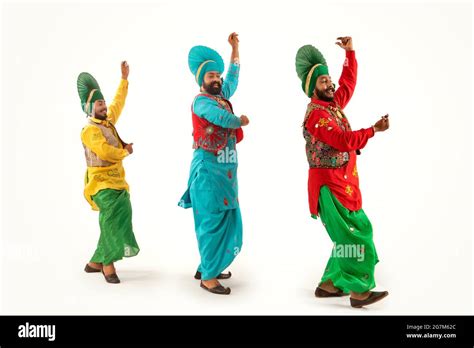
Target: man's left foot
point(220, 276)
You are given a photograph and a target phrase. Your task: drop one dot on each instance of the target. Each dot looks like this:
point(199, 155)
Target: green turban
point(89, 92)
point(310, 64)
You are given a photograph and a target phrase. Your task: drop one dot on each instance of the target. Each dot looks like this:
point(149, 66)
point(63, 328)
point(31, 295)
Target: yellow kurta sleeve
point(115, 108)
point(93, 138)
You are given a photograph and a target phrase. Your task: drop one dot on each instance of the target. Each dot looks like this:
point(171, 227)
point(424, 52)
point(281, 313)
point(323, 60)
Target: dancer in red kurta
point(327, 124)
point(333, 184)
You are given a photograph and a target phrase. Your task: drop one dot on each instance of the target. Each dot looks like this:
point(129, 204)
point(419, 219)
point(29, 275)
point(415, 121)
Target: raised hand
point(345, 42)
point(125, 70)
point(234, 40)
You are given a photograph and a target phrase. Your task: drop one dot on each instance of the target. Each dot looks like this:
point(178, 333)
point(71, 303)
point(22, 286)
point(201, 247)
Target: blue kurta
point(213, 189)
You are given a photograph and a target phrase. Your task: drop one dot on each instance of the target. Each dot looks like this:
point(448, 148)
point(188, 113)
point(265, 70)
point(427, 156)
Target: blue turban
point(202, 59)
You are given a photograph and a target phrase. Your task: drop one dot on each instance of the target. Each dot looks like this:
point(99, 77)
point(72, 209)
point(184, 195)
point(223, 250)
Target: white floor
point(49, 279)
point(66, 289)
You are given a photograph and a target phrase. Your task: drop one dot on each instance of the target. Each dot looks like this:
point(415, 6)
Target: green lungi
point(116, 233)
point(352, 263)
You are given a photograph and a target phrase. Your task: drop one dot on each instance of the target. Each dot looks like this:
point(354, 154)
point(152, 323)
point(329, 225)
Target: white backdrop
point(414, 63)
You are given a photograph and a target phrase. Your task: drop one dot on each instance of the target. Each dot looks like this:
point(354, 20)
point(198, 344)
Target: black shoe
point(374, 296)
point(90, 269)
point(220, 276)
point(111, 278)
point(219, 289)
point(323, 293)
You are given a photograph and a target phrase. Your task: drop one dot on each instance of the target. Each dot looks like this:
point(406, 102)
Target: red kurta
point(343, 182)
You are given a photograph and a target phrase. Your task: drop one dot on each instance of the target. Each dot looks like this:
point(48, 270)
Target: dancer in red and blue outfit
point(212, 187)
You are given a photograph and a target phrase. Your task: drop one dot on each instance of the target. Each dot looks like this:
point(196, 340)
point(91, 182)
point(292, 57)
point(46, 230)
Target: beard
point(213, 88)
point(325, 94)
point(101, 115)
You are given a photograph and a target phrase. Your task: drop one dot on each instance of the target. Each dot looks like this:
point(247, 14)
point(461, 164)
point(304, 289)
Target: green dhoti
point(352, 263)
point(116, 233)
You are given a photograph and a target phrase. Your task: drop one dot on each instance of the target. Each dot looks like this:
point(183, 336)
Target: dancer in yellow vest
point(105, 186)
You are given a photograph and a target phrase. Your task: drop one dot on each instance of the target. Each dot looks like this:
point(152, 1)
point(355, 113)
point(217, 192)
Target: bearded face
point(324, 88)
point(100, 109)
point(212, 83)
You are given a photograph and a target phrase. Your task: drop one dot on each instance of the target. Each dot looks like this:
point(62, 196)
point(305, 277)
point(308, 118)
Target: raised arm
point(232, 77)
point(116, 107)
point(231, 81)
point(348, 79)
